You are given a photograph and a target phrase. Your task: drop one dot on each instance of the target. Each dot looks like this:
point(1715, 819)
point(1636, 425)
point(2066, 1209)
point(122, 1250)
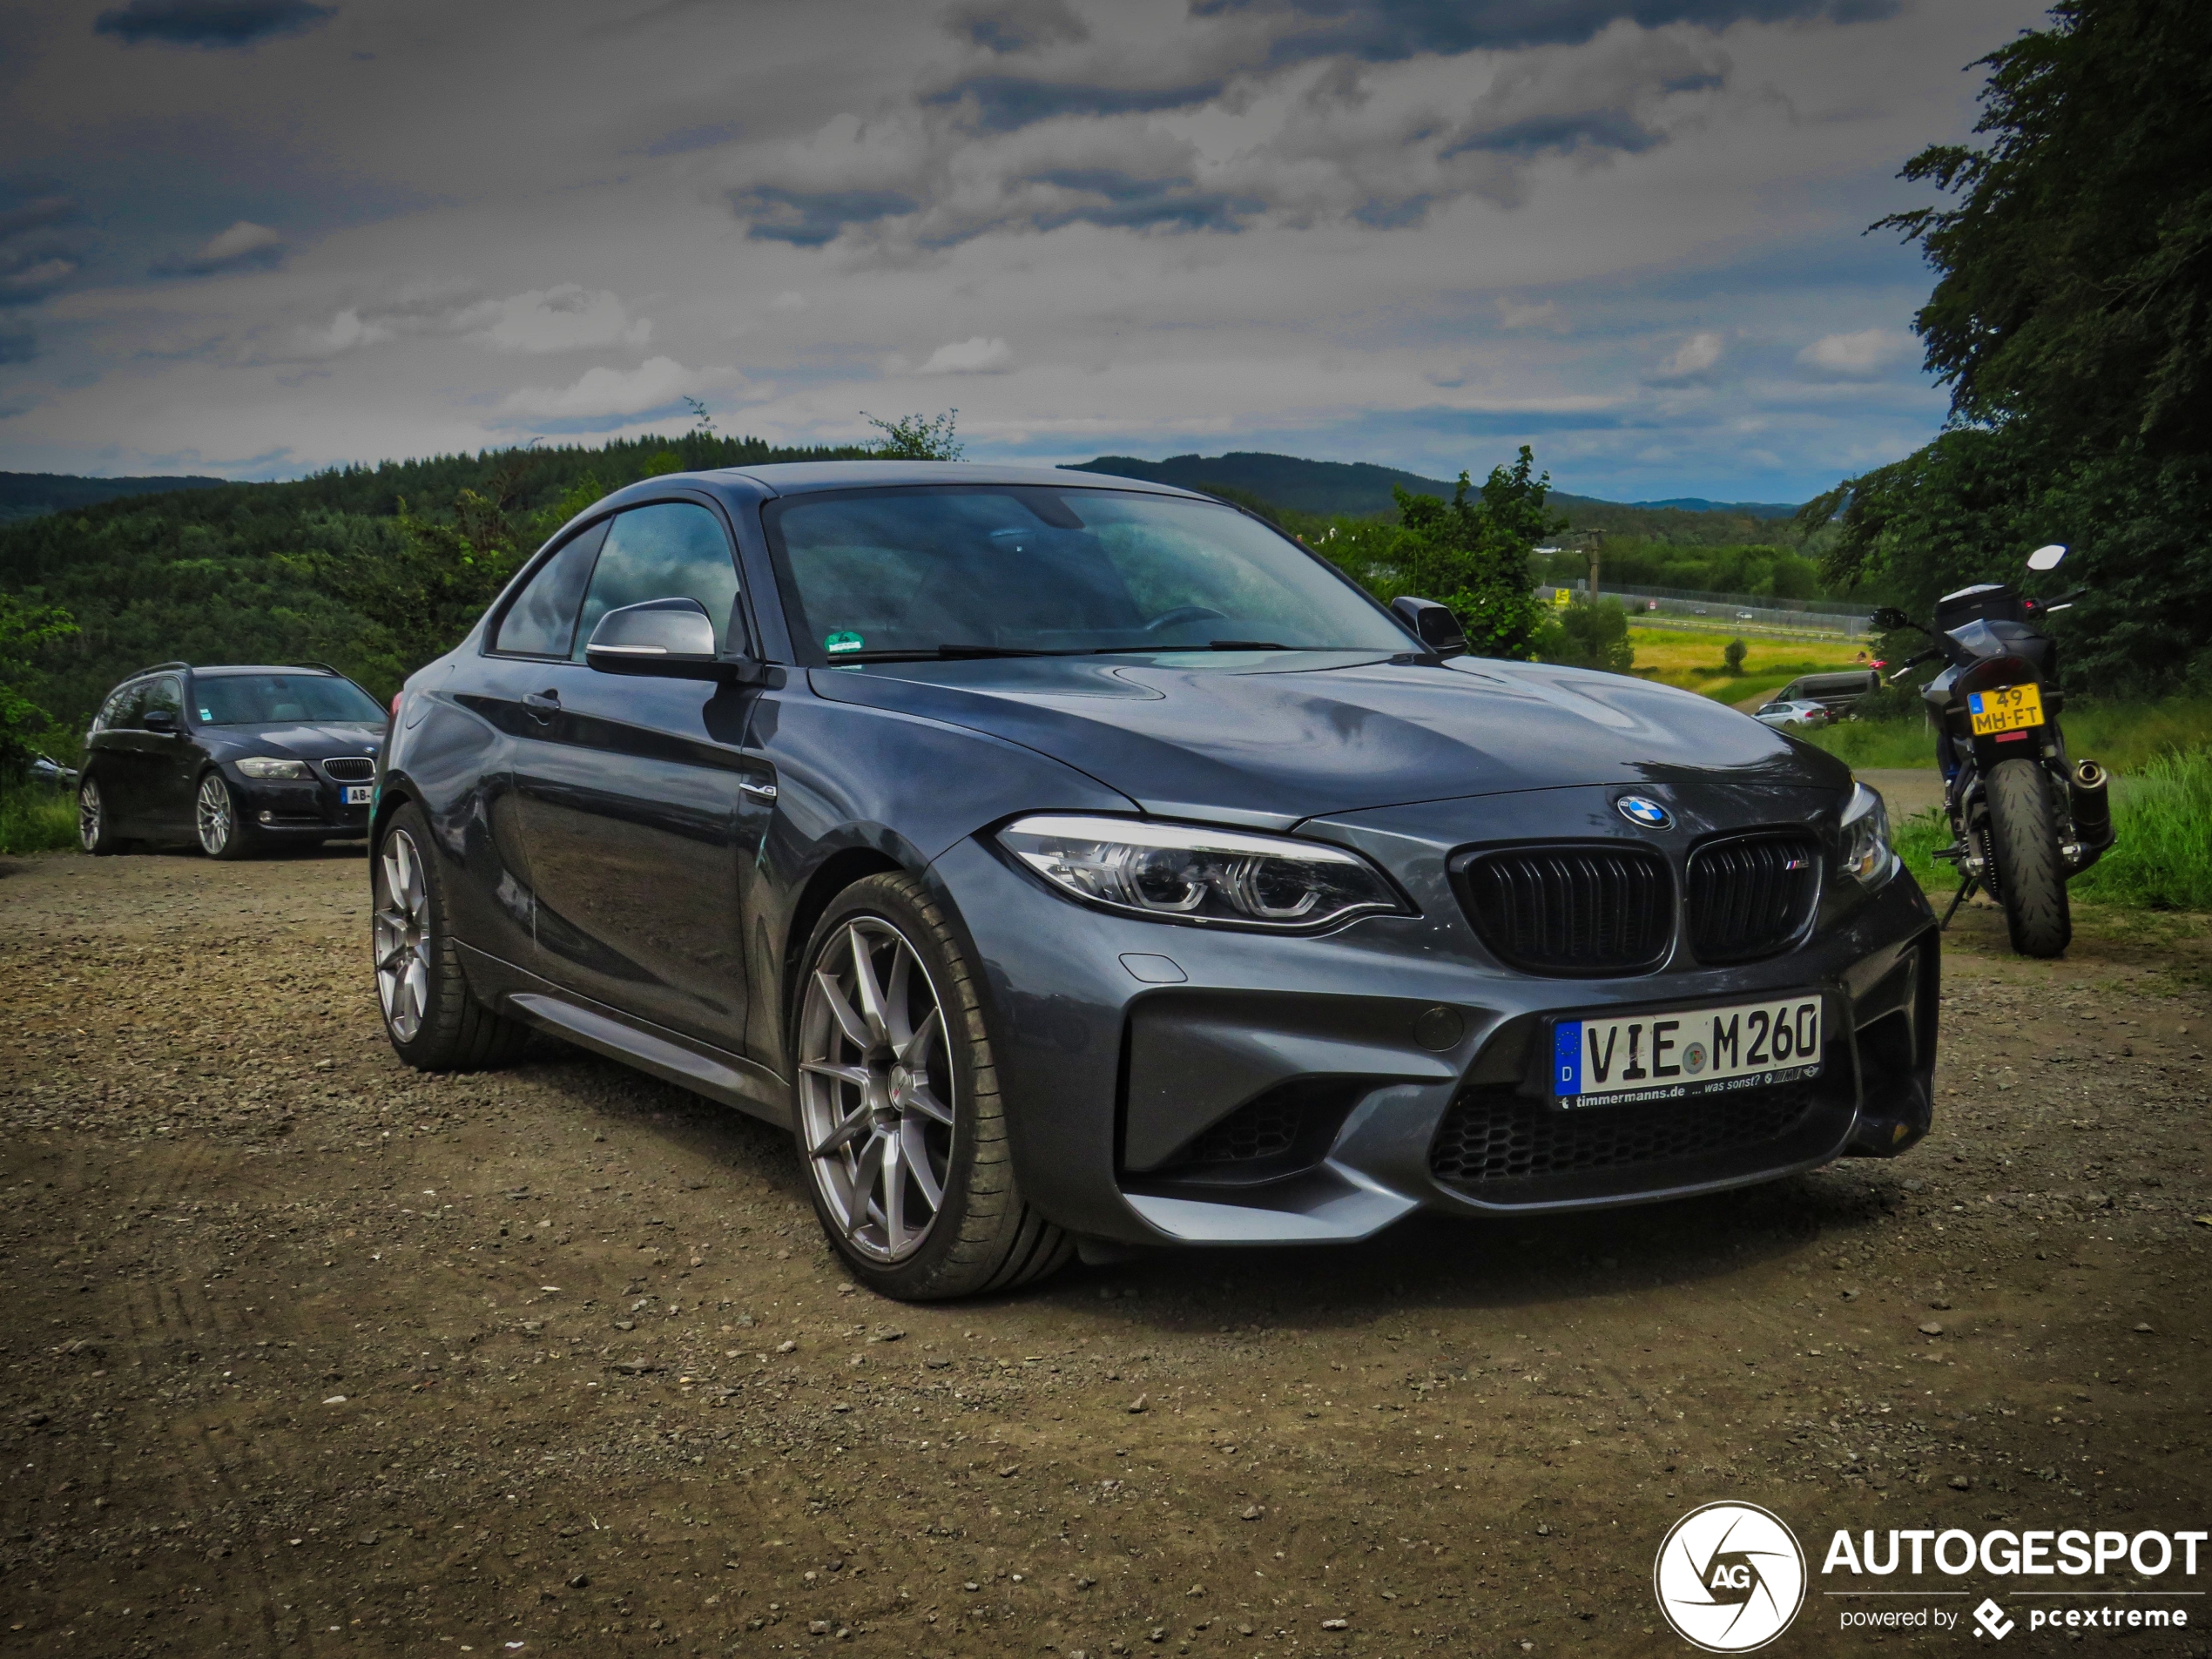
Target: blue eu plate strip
point(1567, 1057)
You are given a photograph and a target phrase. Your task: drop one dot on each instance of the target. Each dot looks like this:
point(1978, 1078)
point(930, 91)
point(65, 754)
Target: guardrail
point(1723, 611)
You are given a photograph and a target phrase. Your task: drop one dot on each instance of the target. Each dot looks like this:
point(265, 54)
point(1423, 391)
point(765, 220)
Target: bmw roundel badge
point(1648, 813)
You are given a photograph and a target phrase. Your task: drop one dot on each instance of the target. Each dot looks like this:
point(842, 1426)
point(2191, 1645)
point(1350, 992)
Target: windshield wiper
point(1212, 644)
point(940, 654)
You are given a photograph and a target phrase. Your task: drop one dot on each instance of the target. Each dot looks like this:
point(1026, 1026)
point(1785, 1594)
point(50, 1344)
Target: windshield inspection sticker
point(835, 643)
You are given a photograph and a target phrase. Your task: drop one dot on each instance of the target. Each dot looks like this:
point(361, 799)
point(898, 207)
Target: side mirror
point(2046, 557)
point(666, 639)
point(1432, 625)
point(162, 722)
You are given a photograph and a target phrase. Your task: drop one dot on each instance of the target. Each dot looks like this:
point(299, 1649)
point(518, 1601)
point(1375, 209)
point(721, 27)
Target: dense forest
point(377, 569)
point(2072, 318)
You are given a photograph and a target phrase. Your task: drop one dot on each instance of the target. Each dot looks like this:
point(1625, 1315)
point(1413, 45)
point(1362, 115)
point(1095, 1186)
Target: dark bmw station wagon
point(237, 758)
point(1067, 861)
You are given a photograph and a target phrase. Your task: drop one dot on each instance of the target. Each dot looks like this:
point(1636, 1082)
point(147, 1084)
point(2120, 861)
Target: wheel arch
point(838, 872)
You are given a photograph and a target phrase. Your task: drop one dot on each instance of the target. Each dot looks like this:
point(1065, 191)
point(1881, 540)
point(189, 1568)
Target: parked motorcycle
point(2025, 819)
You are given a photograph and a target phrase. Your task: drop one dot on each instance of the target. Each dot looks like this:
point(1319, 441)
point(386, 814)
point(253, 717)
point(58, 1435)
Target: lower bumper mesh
point(1494, 1139)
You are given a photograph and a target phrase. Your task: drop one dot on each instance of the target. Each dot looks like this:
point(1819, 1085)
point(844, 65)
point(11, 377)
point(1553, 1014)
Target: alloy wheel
point(876, 1090)
point(402, 935)
point(88, 810)
point(214, 815)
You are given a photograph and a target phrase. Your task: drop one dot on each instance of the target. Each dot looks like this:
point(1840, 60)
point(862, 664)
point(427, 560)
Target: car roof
point(802, 477)
point(264, 668)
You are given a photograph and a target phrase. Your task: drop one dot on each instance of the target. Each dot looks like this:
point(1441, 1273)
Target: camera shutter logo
point(1991, 1618)
point(1729, 1577)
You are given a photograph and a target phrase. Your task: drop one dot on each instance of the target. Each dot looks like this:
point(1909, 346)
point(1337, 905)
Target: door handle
point(759, 789)
point(543, 705)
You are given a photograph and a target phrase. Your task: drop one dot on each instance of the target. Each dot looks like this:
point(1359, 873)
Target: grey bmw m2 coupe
point(1067, 860)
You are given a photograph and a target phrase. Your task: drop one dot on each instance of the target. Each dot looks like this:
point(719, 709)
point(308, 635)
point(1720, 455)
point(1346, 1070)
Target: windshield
point(272, 699)
point(994, 568)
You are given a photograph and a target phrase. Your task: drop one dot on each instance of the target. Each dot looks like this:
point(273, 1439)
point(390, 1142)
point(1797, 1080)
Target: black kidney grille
point(1571, 909)
point(1752, 896)
point(350, 769)
point(1494, 1136)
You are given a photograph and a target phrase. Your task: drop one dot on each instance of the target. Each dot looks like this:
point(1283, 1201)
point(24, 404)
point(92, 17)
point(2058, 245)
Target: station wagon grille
point(350, 769)
point(1571, 910)
point(1751, 895)
point(1494, 1136)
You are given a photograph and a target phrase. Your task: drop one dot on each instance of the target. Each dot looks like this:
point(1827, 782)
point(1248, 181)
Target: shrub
point(1734, 656)
point(35, 819)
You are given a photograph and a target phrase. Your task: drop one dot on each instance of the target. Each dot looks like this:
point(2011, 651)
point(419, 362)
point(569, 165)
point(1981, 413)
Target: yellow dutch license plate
point(2009, 708)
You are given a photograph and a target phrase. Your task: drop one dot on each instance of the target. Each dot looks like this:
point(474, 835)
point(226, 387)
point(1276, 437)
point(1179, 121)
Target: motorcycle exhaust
point(2086, 791)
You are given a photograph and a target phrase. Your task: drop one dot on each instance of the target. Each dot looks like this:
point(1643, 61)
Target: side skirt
point(724, 1078)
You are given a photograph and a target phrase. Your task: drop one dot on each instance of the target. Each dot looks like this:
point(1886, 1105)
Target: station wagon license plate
point(1681, 1053)
point(359, 794)
point(2009, 708)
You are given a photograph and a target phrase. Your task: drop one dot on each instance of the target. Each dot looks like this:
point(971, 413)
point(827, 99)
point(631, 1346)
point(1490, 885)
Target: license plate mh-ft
point(2009, 708)
point(1677, 1055)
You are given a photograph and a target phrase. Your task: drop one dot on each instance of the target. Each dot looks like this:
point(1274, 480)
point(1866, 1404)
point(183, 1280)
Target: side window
point(672, 550)
point(113, 710)
point(167, 693)
point(542, 621)
point(133, 699)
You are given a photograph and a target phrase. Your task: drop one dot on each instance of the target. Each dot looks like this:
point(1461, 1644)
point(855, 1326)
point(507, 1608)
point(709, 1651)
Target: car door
point(633, 793)
point(169, 761)
point(121, 754)
point(495, 904)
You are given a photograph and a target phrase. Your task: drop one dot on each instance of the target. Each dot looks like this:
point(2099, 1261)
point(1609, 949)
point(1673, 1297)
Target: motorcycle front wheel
point(2031, 880)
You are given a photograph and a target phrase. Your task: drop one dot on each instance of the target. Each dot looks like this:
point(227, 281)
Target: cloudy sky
point(260, 237)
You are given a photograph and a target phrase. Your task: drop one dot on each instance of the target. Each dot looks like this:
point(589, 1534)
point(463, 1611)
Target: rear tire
point(434, 1021)
point(896, 1106)
point(95, 829)
point(2031, 878)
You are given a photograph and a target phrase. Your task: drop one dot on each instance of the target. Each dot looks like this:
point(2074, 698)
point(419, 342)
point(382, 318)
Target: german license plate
point(358, 794)
point(1681, 1053)
point(2009, 708)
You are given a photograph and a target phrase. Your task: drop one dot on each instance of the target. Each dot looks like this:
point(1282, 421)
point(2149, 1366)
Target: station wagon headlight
point(259, 766)
point(1188, 874)
point(1867, 857)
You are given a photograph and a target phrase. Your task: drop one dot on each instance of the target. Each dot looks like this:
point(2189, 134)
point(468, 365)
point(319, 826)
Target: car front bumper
point(1169, 1083)
point(297, 809)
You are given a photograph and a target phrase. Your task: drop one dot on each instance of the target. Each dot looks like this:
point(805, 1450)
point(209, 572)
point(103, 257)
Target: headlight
point(1184, 873)
point(1867, 857)
point(256, 766)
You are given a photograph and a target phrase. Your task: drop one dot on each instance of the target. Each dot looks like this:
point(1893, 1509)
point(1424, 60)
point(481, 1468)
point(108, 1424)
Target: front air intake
point(1749, 896)
point(1571, 910)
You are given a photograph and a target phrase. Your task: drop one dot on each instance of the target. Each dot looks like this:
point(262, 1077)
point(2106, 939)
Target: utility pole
point(1597, 537)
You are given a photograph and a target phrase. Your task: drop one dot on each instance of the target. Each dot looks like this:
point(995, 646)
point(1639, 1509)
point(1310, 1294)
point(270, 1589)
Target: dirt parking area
point(308, 1354)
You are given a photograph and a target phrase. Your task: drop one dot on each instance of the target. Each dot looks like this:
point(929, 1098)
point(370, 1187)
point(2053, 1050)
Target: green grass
point(2161, 860)
point(2127, 736)
point(34, 818)
point(1692, 660)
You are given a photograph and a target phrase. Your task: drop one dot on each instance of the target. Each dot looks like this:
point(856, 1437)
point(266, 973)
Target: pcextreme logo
point(1729, 1577)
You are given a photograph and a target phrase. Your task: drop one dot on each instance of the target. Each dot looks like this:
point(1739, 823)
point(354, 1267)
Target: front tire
point(898, 1115)
point(95, 829)
point(435, 1022)
point(2031, 878)
point(222, 834)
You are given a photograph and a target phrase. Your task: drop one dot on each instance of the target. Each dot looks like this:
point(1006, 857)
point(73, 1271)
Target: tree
point(916, 437)
point(25, 629)
point(2071, 317)
point(1587, 636)
point(1732, 657)
point(1473, 556)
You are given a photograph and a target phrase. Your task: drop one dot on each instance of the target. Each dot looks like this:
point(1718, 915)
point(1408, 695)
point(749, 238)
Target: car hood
point(1271, 739)
point(308, 741)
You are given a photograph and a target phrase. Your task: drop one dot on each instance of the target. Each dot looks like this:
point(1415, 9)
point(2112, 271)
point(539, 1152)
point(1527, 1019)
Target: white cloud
point(972, 356)
point(346, 331)
point(1513, 314)
point(653, 384)
point(564, 318)
point(242, 239)
point(1693, 360)
point(1867, 351)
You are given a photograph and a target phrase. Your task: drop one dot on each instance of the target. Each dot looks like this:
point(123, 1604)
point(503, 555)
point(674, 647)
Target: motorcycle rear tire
point(2031, 880)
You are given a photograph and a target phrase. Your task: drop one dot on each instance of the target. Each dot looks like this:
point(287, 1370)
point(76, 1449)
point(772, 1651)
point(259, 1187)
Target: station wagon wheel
point(215, 816)
point(435, 1021)
point(897, 1110)
point(95, 831)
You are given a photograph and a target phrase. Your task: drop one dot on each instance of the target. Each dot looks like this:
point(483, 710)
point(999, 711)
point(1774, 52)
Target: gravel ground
point(312, 1354)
